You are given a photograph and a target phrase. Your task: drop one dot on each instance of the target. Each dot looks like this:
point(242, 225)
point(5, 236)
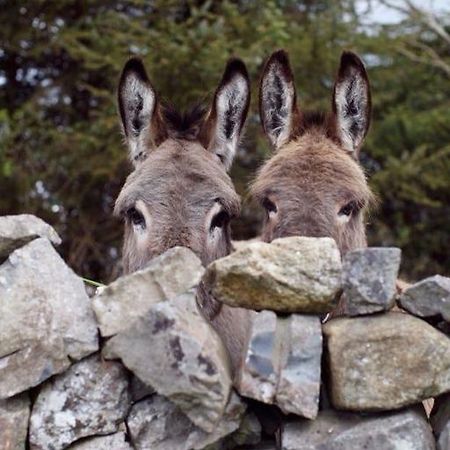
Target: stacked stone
point(160, 376)
point(379, 365)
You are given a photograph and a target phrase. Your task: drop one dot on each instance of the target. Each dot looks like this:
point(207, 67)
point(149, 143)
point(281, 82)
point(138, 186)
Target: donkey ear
point(351, 103)
point(277, 99)
point(137, 105)
point(228, 113)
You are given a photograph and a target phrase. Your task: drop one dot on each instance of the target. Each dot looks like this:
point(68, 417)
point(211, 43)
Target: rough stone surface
point(285, 275)
point(428, 298)
point(129, 297)
point(91, 398)
point(116, 441)
point(369, 277)
point(298, 385)
point(258, 375)
point(17, 231)
point(385, 362)
point(406, 429)
point(45, 317)
point(185, 362)
point(440, 420)
point(282, 363)
point(156, 423)
point(14, 415)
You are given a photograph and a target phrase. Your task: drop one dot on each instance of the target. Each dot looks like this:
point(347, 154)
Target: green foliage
point(61, 152)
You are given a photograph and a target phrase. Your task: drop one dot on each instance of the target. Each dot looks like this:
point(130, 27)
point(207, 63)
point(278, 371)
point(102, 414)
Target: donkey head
point(179, 192)
point(313, 184)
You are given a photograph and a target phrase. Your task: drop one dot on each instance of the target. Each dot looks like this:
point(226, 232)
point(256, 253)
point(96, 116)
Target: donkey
point(313, 185)
point(179, 193)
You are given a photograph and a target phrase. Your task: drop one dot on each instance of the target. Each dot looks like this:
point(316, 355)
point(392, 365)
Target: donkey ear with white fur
point(137, 105)
point(351, 103)
point(229, 111)
point(277, 99)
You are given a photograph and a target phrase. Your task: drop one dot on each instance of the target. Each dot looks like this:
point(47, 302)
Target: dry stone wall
point(138, 367)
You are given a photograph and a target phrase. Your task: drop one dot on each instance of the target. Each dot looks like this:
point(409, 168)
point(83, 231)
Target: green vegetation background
point(61, 151)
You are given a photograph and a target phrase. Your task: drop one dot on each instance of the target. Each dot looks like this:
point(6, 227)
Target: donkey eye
point(135, 217)
point(270, 206)
point(220, 220)
point(349, 209)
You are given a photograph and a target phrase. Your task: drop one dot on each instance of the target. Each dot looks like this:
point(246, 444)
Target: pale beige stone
point(286, 275)
point(129, 297)
point(385, 362)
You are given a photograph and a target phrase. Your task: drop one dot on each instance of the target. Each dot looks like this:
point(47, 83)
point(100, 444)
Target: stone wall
point(137, 367)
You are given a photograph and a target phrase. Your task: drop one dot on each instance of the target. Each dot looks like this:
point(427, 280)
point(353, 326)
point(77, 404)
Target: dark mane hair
point(315, 119)
point(185, 124)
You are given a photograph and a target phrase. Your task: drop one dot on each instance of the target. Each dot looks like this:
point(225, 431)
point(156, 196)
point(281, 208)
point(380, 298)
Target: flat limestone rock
point(369, 277)
point(116, 441)
point(428, 298)
point(385, 362)
point(286, 276)
point(185, 362)
point(16, 231)
point(89, 399)
point(129, 297)
point(156, 423)
point(14, 415)
point(282, 363)
point(440, 421)
point(406, 429)
point(45, 317)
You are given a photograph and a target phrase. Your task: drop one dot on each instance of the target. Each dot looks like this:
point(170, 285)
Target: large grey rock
point(428, 298)
point(188, 362)
point(116, 441)
point(129, 297)
point(282, 362)
point(385, 362)
point(45, 317)
point(156, 423)
point(300, 365)
point(407, 429)
point(14, 415)
point(91, 398)
point(440, 420)
point(369, 277)
point(286, 275)
point(17, 231)
point(258, 375)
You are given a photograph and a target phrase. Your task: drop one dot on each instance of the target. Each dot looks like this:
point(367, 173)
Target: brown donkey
point(179, 193)
point(313, 184)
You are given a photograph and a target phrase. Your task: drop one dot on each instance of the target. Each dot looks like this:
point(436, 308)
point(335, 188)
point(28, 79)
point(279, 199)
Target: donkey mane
point(315, 120)
point(183, 124)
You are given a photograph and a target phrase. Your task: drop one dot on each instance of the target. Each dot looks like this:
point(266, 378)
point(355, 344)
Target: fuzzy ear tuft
point(352, 103)
point(278, 99)
point(137, 104)
point(228, 112)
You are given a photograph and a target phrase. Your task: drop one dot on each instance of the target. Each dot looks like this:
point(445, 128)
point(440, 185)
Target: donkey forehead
point(179, 172)
point(316, 167)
